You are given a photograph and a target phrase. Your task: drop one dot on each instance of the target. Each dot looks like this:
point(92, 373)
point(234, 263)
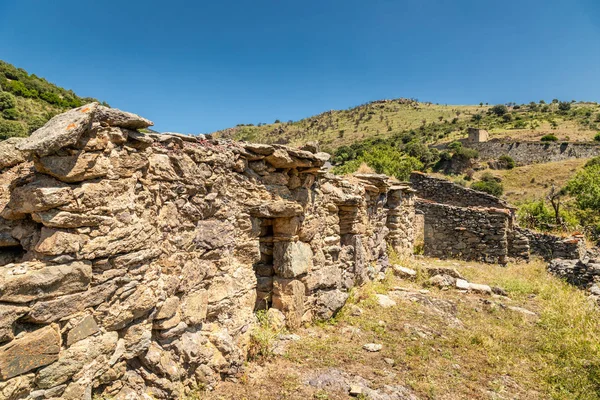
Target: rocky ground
point(445, 330)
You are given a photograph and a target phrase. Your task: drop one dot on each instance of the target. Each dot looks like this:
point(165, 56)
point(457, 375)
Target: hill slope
point(438, 123)
point(27, 101)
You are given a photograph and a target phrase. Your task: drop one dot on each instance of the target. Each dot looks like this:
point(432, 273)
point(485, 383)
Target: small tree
point(564, 106)
point(499, 110)
point(489, 184)
point(597, 137)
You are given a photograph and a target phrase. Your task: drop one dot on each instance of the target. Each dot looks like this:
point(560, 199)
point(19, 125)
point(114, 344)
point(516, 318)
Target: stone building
point(477, 135)
point(131, 264)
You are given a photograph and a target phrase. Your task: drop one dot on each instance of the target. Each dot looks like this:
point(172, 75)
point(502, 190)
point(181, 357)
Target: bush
point(597, 137)
point(536, 215)
point(384, 160)
point(466, 154)
point(7, 101)
point(489, 184)
point(507, 161)
point(11, 113)
point(564, 106)
point(499, 110)
point(549, 138)
point(10, 129)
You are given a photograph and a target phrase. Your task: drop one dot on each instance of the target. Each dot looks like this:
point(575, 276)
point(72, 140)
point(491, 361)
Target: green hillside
point(27, 101)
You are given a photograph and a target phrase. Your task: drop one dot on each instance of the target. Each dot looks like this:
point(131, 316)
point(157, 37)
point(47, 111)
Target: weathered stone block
point(292, 259)
point(34, 350)
point(86, 327)
point(289, 297)
point(32, 281)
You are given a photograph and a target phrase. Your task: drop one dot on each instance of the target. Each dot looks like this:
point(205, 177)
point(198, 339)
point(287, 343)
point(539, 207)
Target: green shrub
point(593, 162)
point(597, 137)
point(384, 160)
point(7, 101)
point(489, 184)
point(10, 113)
point(564, 106)
point(466, 153)
point(549, 138)
point(536, 215)
point(507, 161)
point(454, 146)
point(10, 129)
point(499, 110)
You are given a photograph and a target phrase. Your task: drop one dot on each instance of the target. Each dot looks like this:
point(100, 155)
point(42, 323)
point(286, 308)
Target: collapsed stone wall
point(446, 192)
point(583, 273)
point(468, 233)
point(525, 153)
point(131, 264)
point(551, 246)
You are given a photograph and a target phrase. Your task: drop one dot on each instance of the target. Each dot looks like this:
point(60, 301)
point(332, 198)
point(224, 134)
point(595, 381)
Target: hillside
point(27, 101)
point(386, 119)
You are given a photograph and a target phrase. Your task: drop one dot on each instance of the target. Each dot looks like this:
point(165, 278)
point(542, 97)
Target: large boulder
point(121, 119)
point(61, 131)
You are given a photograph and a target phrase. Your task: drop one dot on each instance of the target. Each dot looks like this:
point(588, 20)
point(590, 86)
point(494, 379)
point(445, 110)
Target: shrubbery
point(383, 160)
point(549, 138)
point(507, 161)
point(10, 129)
point(489, 184)
point(597, 137)
point(7, 101)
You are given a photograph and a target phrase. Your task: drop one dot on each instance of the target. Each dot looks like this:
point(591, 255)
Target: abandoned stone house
point(477, 135)
point(132, 264)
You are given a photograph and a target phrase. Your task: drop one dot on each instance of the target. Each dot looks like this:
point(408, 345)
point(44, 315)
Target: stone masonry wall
point(551, 246)
point(525, 153)
point(446, 192)
point(131, 264)
point(467, 233)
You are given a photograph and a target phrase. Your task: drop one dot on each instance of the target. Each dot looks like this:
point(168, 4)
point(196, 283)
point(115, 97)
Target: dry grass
point(453, 345)
point(533, 182)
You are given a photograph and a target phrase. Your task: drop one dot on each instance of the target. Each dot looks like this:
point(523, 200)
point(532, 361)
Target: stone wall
point(582, 273)
point(446, 192)
point(551, 246)
point(131, 264)
point(467, 233)
point(525, 153)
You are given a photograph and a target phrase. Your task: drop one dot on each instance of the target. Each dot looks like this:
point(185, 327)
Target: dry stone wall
point(525, 153)
point(468, 233)
point(131, 264)
point(550, 246)
point(446, 192)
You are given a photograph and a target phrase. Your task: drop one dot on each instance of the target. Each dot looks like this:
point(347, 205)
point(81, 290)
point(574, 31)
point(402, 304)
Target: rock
point(168, 308)
point(479, 288)
point(595, 290)
point(61, 131)
point(194, 307)
point(35, 349)
point(403, 272)
point(9, 154)
point(355, 390)
point(122, 119)
point(56, 242)
point(329, 302)
point(441, 281)
point(384, 301)
point(276, 319)
point(288, 297)
point(74, 168)
point(86, 327)
point(77, 359)
point(65, 219)
point(499, 291)
point(522, 311)
point(389, 361)
point(462, 284)
point(277, 209)
point(38, 281)
point(137, 339)
point(8, 315)
point(263, 149)
point(280, 159)
point(41, 195)
point(16, 388)
point(372, 347)
point(452, 272)
point(292, 259)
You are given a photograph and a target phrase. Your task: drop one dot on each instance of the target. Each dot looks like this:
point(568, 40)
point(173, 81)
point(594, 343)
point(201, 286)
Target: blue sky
point(196, 66)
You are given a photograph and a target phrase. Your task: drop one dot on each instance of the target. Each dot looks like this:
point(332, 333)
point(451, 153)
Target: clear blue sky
point(199, 66)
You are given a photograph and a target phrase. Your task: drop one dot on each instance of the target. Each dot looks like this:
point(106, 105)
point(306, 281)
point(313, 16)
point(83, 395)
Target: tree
point(564, 106)
point(585, 188)
point(489, 184)
point(477, 118)
point(499, 110)
point(554, 197)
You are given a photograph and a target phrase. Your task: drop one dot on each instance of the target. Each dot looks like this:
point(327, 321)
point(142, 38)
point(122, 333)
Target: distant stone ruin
point(464, 223)
point(477, 135)
point(131, 264)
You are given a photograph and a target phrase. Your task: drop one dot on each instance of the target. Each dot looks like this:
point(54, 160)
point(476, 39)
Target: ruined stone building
point(131, 264)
